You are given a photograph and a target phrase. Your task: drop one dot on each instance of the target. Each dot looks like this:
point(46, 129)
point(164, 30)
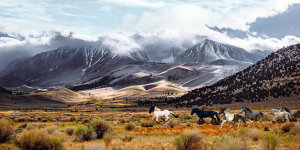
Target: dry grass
point(129, 126)
point(70, 130)
point(147, 124)
point(6, 130)
point(269, 142)
point(38, 139)
point(101, 127)
point(189, 141)
point(287, 127)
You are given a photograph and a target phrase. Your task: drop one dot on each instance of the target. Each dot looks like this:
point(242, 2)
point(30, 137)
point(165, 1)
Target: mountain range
point(274, 77)
point(95, 67)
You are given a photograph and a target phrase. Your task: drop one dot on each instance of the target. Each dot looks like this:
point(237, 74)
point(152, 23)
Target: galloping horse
point(204, 114)
point(229, 116)
point(294, 113)
point(160, 113)
point(279, 114)
point(253, 115)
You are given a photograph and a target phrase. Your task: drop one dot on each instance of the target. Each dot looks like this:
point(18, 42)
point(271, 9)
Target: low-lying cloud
point(156, 44)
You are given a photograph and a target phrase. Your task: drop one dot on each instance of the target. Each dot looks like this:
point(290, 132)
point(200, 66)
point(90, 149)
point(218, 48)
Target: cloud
point(135, 3)
point(153, 26)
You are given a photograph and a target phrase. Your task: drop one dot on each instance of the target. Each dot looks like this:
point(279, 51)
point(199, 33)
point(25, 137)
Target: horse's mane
point(196, 109)
point(285, 109)
point(247, 109)
point(151, 109)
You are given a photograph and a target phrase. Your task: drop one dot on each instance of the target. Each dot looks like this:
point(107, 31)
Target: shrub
point(127, 138)
point(172, 123)
point(51, 129)
point(85, 133)
point(122, 120)
point(37, 139)
point(34, 126)
point(101, 127)
point(147, 124)
point(130, 126)
point(107, 138)
point(269, 141)
point(249, 133)
point(70, 130)
point(6, 130)
point(297, 127)
point(188, 124)
point(287, 127)
point(86, 120)
point(189, 141)
point(232, 143)
point(275, 129)
point(266, 128)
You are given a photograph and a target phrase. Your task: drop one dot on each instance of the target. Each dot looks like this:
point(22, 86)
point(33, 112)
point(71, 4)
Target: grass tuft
point(6, 130)
point(129, 126)
point(189, 141)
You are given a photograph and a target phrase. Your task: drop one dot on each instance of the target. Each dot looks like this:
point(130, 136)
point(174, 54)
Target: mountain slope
point(96, 67)
point(209, 51)
point(278, 75)
point(65, 66)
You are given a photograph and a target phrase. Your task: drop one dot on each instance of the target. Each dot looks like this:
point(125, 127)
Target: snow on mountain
point(92, 67)
point(209, 51)
point(275, 76)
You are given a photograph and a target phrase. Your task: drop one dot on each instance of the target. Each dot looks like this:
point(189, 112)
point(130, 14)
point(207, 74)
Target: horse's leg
point(157, 119)
point(287, 118)
point(223, 123)
point(238, 123)
point(167, 118)
point(232, 124)
point(153, 118)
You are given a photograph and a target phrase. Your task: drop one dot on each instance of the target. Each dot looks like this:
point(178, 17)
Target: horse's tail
point(216, 114)
point(176, 116)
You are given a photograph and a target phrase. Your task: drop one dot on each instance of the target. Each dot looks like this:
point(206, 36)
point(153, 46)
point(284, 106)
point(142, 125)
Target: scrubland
point(65, 130)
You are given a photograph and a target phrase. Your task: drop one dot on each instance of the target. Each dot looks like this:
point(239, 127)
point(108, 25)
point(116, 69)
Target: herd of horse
point(284, 114)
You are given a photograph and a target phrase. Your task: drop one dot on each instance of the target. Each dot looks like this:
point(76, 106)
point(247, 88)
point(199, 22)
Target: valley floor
point(143, 134)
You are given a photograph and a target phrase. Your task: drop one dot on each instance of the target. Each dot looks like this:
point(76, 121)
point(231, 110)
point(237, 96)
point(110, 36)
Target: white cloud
point(135, 3)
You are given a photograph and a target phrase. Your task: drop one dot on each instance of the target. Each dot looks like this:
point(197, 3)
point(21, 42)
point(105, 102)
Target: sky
point(28, 27)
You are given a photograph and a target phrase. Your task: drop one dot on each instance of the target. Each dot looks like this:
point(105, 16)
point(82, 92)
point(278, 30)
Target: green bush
point(101, 127)
point(269, 141)
point(6, 130)
point(189, 141)
point(85, 133)
point(130, 126)
point(107, 138)
point(38, 139)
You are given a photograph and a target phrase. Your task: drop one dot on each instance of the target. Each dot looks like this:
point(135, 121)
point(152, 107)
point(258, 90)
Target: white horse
point(160, 113)
point(294, 113)
point(278, 114)
point(229, 116)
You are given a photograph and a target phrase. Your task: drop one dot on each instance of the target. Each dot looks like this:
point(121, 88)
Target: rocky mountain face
point(278, 75)
point(94, 67)
point(210, 51)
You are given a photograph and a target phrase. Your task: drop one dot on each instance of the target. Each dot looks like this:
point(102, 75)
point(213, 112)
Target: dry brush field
point(117, 129)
